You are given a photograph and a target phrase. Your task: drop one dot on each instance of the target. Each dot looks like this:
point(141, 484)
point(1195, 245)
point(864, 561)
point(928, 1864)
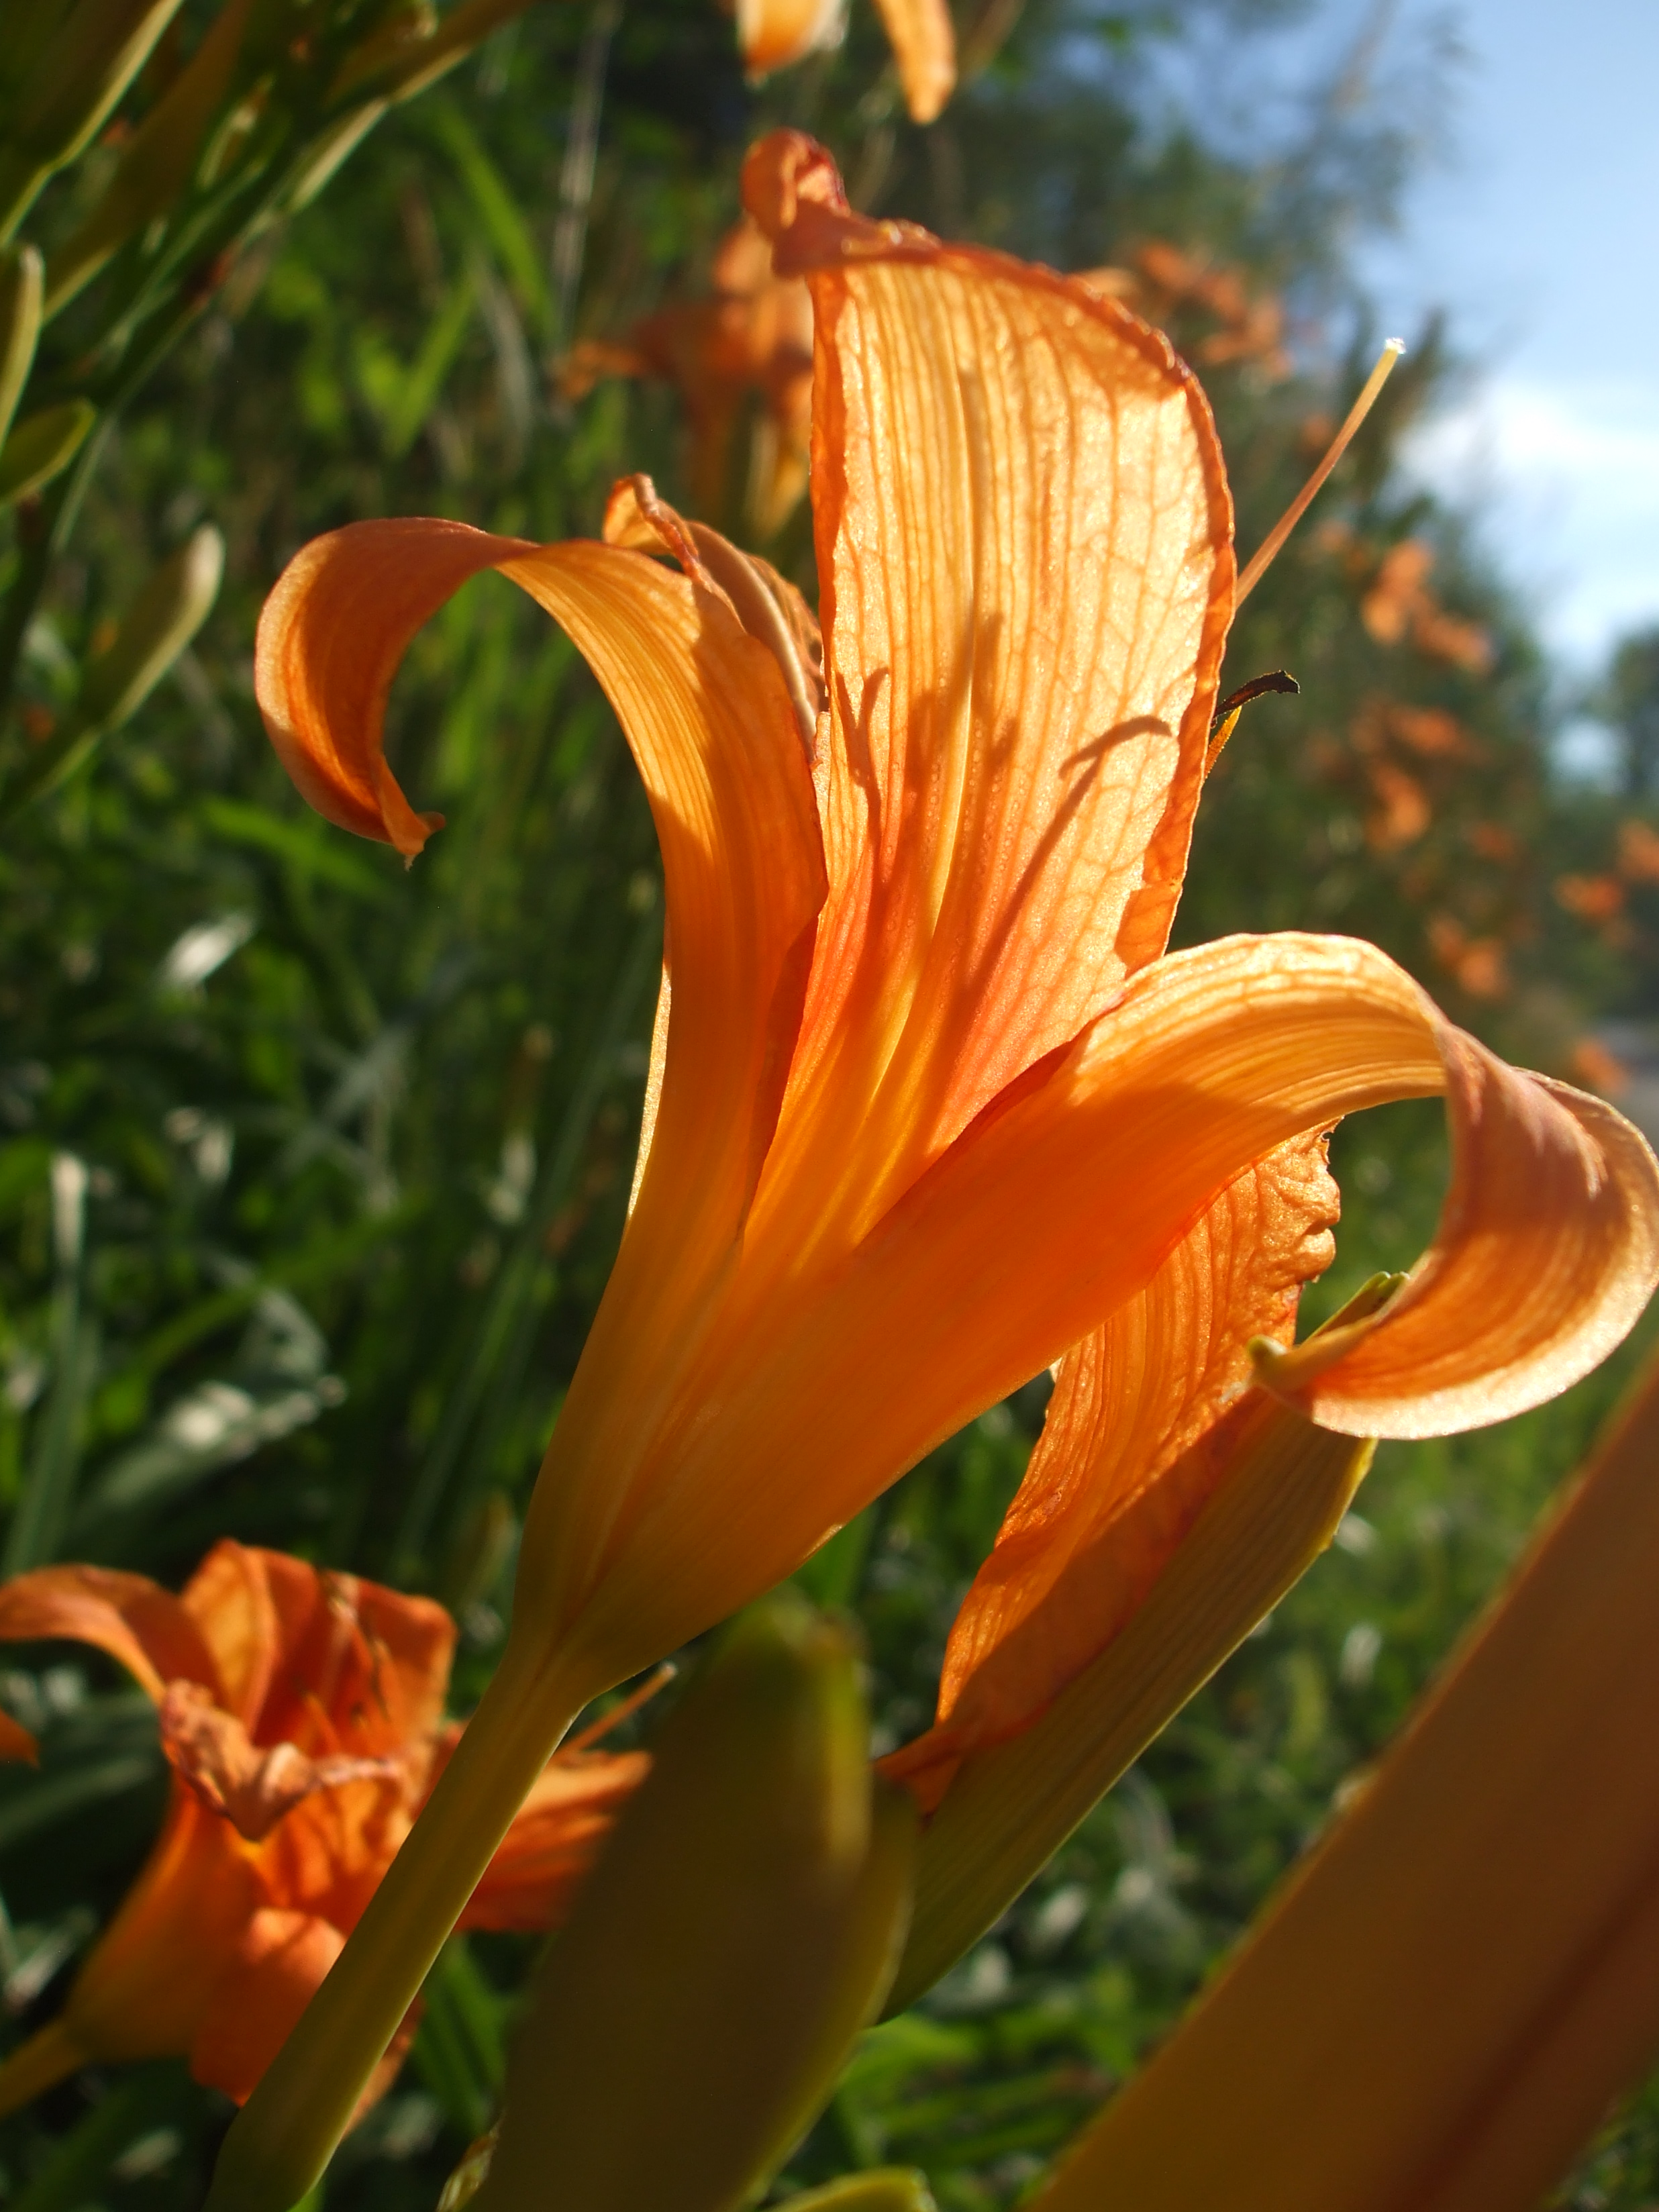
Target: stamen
point(1339, 446)
point(1224, 721)
point(623, 1710)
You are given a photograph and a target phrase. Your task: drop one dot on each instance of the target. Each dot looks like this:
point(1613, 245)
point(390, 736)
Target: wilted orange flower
point(1399, 601)
point(929, 1106)
point(301, 1713)
point(753, 334)
point(772, 33)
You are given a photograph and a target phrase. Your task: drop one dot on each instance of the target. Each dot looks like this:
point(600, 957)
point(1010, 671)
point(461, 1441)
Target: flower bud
point(42, 444)
point(79, 74)
point(155, 629)
point(21, 284)
point(157, 162)
point(738, 1931)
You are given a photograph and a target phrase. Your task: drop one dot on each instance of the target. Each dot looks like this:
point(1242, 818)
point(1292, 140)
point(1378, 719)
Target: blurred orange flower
point(1598, 1069)
point(1400, 602)
point(1478, 964)
point(1431, 733)
point(1638, 853)
point(1592, 898)
point(300, 1712)
point(772, 33)
point(1252, 328)
point(752, 335)
point(1401, 812)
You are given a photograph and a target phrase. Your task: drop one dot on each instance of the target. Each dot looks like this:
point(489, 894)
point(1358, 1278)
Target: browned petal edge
point(793, 190)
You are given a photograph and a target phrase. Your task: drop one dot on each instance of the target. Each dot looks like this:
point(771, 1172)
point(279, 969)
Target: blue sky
point(1538, 229)
point(1533, 220)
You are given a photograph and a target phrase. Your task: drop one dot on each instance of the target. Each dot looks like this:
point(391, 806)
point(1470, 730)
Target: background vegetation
point(311, 1168)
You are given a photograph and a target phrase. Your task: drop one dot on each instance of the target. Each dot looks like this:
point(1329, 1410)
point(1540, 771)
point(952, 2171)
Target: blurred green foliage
point(311, 1168)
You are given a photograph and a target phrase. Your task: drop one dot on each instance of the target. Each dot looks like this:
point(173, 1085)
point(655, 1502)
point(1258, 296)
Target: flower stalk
point(282, 2141)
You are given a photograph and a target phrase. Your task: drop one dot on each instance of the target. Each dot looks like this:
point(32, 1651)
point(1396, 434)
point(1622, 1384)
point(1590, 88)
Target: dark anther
point(1276, 679)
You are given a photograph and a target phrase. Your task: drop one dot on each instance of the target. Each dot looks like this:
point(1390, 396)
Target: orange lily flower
point(929, 1105)
point(301, 1714)
point(772, 33)
point(754, 334)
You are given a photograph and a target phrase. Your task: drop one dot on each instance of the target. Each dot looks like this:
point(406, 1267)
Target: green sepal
point(883, 2189)
point(740, 1928)
point(1010, 1807)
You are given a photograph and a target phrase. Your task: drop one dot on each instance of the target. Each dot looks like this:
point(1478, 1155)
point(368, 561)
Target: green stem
point(282, 2141)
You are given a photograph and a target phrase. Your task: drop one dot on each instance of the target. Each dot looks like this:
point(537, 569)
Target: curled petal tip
point(785, 170)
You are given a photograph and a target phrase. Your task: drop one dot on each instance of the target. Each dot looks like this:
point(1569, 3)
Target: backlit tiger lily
point(929, 1105)
point(301, 1714)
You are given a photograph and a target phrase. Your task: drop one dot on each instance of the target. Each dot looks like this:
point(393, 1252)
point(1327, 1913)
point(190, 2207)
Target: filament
point(657, 1680)
point(1339, 446)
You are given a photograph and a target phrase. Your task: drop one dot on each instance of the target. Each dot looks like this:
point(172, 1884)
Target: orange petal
point(1024, 550)
point(147, 1982)
point(277, 1967)
point(924, 43)
point(129, 1616)
point(230, 1600)
point(1545, 1256)
point(706, 713)
point(1056, 1208)
point(772, 33)
point(1436, 2009)
point(330, 640)
point(1112, 1489)
point(359, 1668)
point(554, 1840)
point(17, 1743)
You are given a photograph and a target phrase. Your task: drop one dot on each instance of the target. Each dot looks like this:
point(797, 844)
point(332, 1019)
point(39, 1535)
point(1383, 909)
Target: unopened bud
point(740, 1929)
point(20, 284)
point(157, 627)
point(158, 160)
point(42, 444)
